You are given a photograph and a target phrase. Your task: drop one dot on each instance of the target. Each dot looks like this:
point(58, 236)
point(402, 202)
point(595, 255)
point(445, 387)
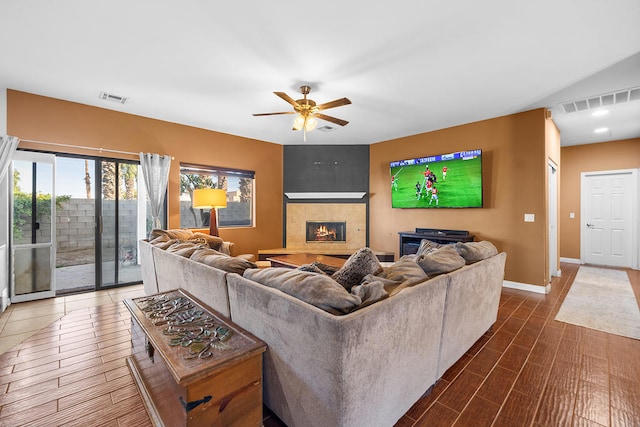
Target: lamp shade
point(207, 198)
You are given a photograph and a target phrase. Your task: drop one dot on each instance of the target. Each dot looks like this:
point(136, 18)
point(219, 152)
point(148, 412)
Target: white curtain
point(8, 145)
point(155, 169)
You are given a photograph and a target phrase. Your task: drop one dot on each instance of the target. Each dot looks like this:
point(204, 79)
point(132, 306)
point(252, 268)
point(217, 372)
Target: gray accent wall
point(309, 168)
point(325, 168)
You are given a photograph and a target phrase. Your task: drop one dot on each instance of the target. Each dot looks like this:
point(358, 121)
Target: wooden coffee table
point(296, 260)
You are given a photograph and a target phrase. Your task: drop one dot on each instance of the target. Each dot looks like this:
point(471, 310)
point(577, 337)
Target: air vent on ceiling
point(597, 101)
point(326, 128)
point(113, 98)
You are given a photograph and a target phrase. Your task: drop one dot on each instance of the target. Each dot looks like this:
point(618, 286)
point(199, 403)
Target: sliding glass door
point(76, 228)
point(122, 222)
point(99, 223)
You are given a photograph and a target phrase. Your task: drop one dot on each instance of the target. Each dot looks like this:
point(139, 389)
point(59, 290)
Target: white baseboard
point(526, 287)
point(570, 260)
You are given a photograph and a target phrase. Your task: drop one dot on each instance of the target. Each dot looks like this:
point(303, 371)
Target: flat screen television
point(451, 180)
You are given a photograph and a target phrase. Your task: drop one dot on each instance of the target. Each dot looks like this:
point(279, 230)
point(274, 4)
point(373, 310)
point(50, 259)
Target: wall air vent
point(597, 101)
point(113, 98)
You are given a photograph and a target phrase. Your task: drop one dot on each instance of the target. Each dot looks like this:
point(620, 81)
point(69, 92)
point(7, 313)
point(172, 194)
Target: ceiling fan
point(308, 111)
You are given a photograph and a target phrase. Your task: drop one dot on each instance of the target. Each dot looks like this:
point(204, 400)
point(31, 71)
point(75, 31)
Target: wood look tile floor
point(527, 370)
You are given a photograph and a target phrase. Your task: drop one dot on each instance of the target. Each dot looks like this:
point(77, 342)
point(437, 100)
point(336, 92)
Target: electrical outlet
point(529, 218)
point(572, 215)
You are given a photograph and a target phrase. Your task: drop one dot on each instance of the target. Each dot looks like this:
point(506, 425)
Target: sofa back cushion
point(316, 289)
point(476, 251)
point(402, 274)
point(442, 260)
point(222, 261)
point(185, 249)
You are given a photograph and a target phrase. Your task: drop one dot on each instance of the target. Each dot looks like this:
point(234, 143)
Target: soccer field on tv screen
point(460, 187)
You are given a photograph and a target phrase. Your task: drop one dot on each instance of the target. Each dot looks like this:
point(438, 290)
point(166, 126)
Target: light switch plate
point(529, 217)
point(572, 215)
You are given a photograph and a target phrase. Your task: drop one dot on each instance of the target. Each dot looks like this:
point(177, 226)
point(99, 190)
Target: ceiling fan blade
point(273, 114)
point(331, 119)
point(287, 98)
point(333, 104)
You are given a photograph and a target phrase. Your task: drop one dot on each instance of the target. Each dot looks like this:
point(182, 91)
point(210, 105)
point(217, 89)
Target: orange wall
point(576, 159)
point(514, 170)
point(46, 119)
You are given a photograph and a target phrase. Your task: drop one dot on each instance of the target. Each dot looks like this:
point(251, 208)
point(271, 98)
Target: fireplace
point(326, 231)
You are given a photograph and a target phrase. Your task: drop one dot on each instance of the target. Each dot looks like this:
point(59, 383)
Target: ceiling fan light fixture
point(308, 112)
point(298, 122)
point(311, 123)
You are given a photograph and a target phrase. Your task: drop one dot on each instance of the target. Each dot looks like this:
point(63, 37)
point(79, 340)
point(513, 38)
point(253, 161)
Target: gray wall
point(337, 168)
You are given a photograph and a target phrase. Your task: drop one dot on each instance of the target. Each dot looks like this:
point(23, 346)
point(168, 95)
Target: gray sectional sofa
point(363, 368)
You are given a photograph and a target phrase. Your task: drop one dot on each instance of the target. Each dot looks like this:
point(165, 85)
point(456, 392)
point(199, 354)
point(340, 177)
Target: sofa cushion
point(358, 265)
point(222, 261)
point(316, 289)
point(162, 241)
point(184, 249)
point(442, 260)
point(476, 251)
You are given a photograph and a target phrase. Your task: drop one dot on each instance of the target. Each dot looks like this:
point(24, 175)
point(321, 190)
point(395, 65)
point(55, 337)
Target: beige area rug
point(602, 299)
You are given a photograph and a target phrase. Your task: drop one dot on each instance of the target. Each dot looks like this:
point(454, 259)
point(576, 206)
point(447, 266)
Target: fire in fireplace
point(326, 231)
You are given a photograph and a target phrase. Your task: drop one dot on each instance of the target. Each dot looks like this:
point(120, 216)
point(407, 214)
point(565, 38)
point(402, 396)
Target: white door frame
point(635, 208)
point(553, 219)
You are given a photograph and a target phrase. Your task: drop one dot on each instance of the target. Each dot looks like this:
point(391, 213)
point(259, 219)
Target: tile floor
point(527, 370)
point(22, 320)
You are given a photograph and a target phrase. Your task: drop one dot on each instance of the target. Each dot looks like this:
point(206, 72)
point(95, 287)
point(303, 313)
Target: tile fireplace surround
point(354, 214)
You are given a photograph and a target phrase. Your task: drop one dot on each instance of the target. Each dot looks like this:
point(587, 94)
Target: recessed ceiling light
point(600, 113)
point(601, 130)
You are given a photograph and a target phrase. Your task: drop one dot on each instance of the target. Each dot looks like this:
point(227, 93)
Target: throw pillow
point(476, 251)
point(177, 233)
point(443, 260)
point(319, 267)
point(318, 290)
point(427, 246)
point(358, 265)
point(221, 261)
point(214, 242)
point(311, 268)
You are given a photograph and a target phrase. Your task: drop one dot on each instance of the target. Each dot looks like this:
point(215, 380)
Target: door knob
point(589, 225)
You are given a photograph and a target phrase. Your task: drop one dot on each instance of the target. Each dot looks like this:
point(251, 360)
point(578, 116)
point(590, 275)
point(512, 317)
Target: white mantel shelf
point(327, 195)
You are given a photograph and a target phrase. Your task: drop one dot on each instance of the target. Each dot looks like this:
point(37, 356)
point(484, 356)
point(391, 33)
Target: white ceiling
point(408, 66)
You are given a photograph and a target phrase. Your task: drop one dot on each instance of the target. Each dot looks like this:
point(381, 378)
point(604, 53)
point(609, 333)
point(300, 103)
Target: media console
point(410, 240)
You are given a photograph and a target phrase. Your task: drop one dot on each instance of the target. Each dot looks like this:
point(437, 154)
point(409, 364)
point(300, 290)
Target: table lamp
point(210, 198)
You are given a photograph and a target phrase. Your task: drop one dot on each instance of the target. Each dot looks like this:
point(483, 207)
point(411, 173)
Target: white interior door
point(609, 230)
point(33, 237)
